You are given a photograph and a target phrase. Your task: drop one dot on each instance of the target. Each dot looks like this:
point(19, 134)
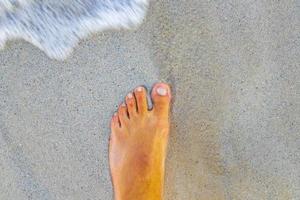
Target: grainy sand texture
point(234, 70)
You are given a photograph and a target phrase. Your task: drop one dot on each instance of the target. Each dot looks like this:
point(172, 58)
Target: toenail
point(139, 89)
point(162, 91)
point(130, 95)
point(115, 114)
point(123, 105)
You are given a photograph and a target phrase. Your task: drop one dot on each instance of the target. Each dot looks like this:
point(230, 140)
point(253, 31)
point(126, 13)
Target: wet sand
point(234, 70)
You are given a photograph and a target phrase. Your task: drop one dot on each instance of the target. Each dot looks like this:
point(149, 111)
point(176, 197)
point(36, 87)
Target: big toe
point(161, 97)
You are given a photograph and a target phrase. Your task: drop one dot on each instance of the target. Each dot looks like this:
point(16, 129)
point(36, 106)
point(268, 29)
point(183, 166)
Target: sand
point(234, 70)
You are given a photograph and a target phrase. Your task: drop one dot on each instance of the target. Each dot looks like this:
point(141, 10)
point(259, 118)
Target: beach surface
point(234, 71)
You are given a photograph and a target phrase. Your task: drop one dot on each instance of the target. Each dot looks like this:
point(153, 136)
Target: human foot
point(138, 142)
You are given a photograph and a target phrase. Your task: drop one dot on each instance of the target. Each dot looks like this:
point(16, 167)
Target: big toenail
point(123, 105)
point(162, 91)
point(139, 89)
point(130, 95)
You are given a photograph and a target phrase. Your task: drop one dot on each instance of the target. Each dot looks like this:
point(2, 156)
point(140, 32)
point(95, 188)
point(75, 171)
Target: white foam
point(56, 26)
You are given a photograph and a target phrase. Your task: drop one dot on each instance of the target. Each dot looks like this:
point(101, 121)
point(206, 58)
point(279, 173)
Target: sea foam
point(56, 26)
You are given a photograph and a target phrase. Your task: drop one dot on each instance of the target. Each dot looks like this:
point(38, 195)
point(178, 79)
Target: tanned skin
point(138, 144)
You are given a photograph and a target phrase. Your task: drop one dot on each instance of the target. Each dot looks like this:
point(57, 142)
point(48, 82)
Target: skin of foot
point(138, 144)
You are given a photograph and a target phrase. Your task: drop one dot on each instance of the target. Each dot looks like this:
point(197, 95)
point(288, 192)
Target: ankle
point(141, 195)
point(145, 189)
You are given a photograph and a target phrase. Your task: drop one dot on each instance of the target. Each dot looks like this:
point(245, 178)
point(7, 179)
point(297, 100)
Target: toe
point(122, 113)
point(141, 99)
point(161, 97)
point(131, 105)
point(115, 126)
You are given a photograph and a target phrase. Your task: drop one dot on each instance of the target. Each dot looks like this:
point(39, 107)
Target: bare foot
point(138, 144)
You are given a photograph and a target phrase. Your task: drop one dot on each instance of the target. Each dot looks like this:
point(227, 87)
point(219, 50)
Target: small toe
point(161, 97)
point(115, 126)
point(131, 105)
point(141, 99)
point(122, 113)
point(115, 122)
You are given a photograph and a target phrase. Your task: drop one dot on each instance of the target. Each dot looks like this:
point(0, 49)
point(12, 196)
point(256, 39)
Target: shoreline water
point(56, 26)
